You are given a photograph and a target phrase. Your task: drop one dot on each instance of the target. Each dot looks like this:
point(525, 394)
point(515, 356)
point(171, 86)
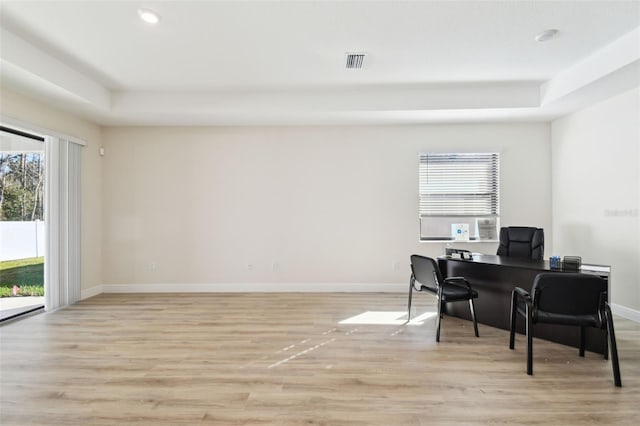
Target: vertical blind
point(62, 260)
point(461, 184)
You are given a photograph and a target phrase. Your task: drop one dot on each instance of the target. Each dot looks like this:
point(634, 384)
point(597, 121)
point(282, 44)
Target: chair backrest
point(568, 293)
point(425, 271)
point(521, 241)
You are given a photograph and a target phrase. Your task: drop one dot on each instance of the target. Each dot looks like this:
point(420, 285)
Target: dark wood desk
point(494, 277)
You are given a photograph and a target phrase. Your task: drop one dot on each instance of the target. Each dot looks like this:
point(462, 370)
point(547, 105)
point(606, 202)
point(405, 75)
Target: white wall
point(596, 191)
point(333, 205)
point(27, 110)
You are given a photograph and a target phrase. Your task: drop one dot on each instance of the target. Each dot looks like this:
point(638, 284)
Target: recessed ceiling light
point(546, 35)
point(149, 16)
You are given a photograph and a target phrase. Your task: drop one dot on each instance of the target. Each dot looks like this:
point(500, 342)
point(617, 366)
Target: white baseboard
point(624, 312)
point(256, 287)
point(90, 292)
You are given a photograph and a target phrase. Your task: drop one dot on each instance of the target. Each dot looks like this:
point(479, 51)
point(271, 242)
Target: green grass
point(28, 274)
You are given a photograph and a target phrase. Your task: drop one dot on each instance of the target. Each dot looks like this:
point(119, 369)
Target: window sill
point(458, 241)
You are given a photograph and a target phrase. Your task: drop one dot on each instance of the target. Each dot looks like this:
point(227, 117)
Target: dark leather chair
point(564, 298)
point(521, 241)
point(425, 273)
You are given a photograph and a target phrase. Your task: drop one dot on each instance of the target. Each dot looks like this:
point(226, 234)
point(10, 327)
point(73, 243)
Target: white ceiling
point(283, 62)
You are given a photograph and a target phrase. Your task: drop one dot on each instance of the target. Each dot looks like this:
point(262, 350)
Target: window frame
point(466, 188)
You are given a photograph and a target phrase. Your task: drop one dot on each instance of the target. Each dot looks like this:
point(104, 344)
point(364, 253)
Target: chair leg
point(606, 343)
point(529, 341)
point(438, 320)
point(410, 295)
point(582, 340)
point(614, 347)
point(512, 327)
point(473, 316)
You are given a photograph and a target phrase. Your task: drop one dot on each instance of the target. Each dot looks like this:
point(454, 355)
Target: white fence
point(20, 240)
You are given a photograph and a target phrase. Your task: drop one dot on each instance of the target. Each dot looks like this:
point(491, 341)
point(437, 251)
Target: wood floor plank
point(289, 359)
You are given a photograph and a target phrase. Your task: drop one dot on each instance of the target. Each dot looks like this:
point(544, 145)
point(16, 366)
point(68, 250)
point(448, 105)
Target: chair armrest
point(522, 293)
point(459, 281)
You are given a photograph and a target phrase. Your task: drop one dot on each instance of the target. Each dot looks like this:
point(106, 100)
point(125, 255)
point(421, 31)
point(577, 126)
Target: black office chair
point(521, 241)
point(567, 299)
point(425, 272)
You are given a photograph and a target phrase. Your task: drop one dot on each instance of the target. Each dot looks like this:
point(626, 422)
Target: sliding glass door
point(22, 229)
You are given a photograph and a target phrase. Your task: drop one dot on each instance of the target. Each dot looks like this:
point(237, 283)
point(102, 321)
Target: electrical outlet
point(275, 266)
point(153, 265)
point(395, 265)
point(249, 266)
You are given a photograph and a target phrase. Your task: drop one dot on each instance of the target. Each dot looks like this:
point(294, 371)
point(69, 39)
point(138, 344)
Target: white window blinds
point(62, 218)
point(459, 191)
point(464, 184)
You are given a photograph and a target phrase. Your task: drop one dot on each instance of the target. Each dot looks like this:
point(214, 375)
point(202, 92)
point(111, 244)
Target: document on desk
point(595, 268)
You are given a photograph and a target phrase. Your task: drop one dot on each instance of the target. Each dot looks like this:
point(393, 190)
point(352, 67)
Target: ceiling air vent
point(355, 60)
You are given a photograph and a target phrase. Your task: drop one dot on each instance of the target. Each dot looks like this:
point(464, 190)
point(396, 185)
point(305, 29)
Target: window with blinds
point(459, 191)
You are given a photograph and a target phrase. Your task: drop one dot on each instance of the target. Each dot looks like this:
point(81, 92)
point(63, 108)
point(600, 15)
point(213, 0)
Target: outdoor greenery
point(26, 274)
point(21, 186)
point(22, 199)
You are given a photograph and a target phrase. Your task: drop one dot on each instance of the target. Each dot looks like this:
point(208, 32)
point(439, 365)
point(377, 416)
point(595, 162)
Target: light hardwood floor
point(286, 359)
